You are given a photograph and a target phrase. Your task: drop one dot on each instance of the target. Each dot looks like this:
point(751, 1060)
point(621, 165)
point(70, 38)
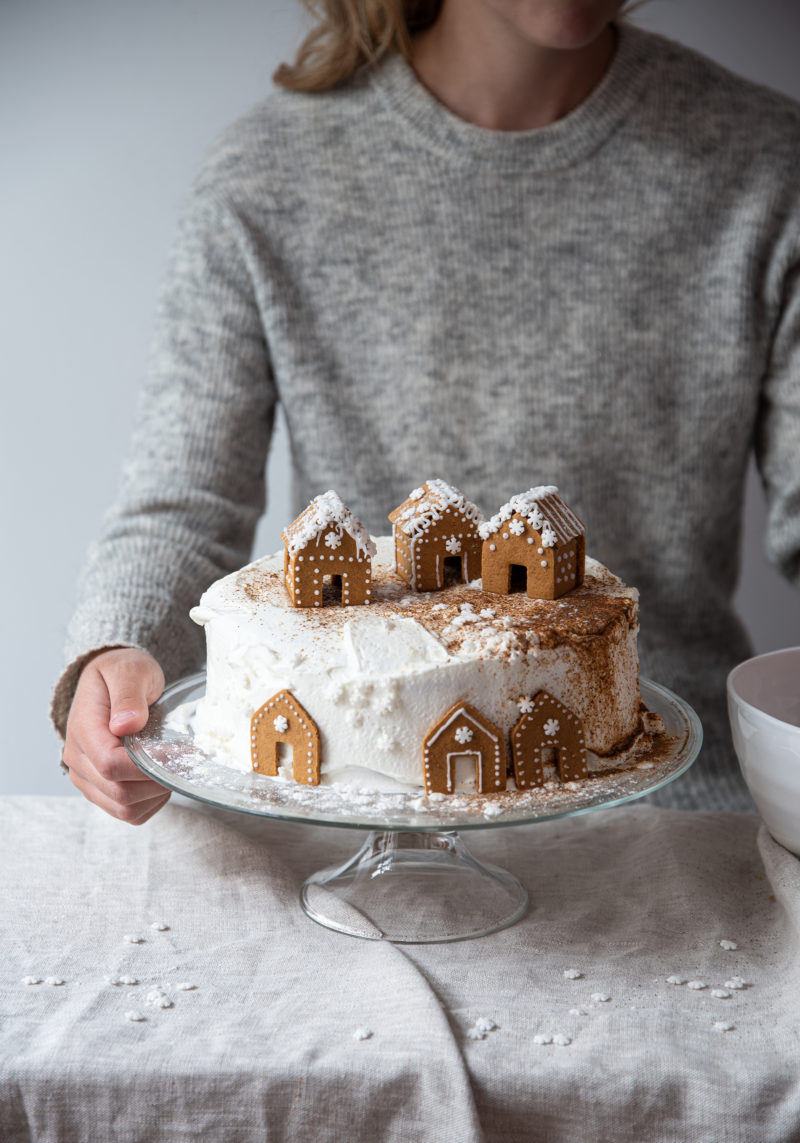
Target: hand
point(114, 692)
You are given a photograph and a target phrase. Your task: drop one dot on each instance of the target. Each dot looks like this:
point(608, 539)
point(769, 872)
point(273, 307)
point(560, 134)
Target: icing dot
point(133, 939)
point(56, 981)
point(573, 974)
point(697, 985)
point(134, 1016)
point(720, 993)
point(160, 926)
point(31, 980)
point(722, 1026)
point(363, 1033)
point(728, 945)
point(600, 997)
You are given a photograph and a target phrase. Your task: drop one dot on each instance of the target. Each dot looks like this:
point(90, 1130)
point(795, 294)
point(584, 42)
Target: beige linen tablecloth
point(266, 1047)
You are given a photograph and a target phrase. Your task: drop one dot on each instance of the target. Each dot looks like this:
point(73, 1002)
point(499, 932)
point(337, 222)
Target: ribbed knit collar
point(543, 148)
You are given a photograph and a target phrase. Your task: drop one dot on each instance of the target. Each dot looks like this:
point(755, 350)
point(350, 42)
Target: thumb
point(131, 688)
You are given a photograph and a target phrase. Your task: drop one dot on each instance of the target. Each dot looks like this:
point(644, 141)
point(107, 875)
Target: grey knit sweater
point(610, 304)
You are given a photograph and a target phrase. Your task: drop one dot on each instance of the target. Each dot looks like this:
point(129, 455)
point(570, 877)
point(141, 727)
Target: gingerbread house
point(283, 733)
point(435, 533)
point(461, 748)
point(535, 543)
point(547, 729)
point(328, 555)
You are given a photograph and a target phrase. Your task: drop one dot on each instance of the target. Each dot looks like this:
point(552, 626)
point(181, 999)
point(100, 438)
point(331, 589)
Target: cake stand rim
point(683, 757)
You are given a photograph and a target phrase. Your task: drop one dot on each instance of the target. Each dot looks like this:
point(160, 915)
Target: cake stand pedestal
point(414, 888)
point(413, 881)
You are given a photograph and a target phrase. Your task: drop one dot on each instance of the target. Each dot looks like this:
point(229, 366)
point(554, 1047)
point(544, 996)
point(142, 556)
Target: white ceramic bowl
point(764, 709)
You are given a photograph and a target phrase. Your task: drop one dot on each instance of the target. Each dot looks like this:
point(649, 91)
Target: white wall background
point(105, 108)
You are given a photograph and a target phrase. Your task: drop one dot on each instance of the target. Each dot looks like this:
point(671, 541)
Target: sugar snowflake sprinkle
point(281, 723)
point(551, 727)
point(463, 735)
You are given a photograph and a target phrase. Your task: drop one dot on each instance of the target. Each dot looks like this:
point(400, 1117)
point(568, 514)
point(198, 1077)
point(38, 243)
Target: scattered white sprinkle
point(676, 980)
point(135, 1016)
point(54, 980)
point(128, 980)
point(720, 993)
point(561, 1039)
point(186, 986)
point(573, 974)
point(160, 926)
point(485, 1024)
point(436, 797)
point(541, 1038)
point(133, 939)
point(491, 810)
point(31, 980)
point(729, 945)
point(736, 983)
point(578, 1012)
point(600, 997)
point(723, 1026)
point(114, 981)
point(696, 985)
point(363, 1033)
point(476, 1034)
point(157, 998)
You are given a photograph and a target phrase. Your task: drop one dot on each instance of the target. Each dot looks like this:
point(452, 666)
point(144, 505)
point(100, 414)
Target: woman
point(506, 242)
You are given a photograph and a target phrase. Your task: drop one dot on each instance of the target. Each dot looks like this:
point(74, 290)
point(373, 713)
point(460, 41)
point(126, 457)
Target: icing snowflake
point(281, 723)
point(536, 519)
point(463, 735)
point(453, 546)
point(332, 540)
point(516, 527)
point(551, 727)
point(417, 494)
point(548, 536)
point(525, 704)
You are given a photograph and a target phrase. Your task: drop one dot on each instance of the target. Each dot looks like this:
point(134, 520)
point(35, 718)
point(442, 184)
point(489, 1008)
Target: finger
point(110, 764)
point(119, 780)
point(88, 724)
point(133, 684)
point(135, 814)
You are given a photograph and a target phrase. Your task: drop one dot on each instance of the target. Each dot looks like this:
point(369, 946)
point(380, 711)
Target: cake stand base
point(414, 888)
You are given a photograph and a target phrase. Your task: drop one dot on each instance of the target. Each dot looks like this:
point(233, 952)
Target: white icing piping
point(324, 512)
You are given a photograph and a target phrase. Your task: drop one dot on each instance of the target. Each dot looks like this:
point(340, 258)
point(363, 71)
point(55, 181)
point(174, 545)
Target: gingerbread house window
point(536, 544)
point(284, 736)
point(328, 556)
point(464, 751)
point(436, 537)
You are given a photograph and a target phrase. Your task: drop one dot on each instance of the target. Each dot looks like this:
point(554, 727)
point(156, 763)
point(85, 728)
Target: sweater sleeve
point(777, 441)
point(193, 485)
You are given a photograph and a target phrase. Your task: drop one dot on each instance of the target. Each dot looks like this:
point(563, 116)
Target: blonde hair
point(351, 33)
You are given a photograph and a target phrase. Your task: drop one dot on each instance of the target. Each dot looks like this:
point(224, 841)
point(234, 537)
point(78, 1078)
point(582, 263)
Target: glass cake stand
point(413, 880)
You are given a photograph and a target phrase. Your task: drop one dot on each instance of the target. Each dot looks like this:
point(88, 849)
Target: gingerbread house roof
point(427, 504)
point(544, 511)
point(325, 513)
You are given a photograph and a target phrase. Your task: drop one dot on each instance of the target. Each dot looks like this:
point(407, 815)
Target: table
point(293, 1032)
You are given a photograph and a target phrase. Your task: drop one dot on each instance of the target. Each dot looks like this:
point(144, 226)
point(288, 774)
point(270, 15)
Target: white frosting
point(376, 681)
